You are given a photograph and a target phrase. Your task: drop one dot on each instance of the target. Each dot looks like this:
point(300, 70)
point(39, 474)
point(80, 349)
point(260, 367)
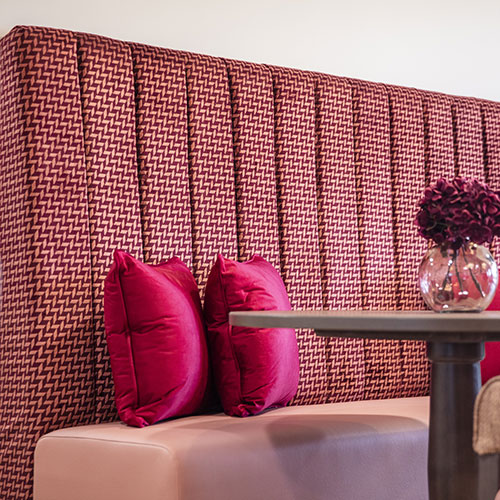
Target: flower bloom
point(453, 211)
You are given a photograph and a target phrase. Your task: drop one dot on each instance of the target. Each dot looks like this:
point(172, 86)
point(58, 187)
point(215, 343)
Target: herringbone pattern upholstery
point(438, 136)
point(107, 94)
point(294, 100)
point(338, 231)
point(372, 157)
point(44, 234)
point(408, 169)
point(162, 149)
point(255, 177)
point(211, 160)
point(490, 113)
point(107, 144)
point(469, 155)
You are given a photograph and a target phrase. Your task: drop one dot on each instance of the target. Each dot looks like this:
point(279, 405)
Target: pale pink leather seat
point(372, 450)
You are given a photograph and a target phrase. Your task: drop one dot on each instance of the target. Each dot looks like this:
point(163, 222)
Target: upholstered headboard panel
point(107, 144)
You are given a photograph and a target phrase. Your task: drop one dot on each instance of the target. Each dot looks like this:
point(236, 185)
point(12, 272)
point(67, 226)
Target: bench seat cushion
point(357, 450)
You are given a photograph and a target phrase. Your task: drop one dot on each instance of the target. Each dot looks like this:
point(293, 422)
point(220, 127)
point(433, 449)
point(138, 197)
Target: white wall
point(446, 45)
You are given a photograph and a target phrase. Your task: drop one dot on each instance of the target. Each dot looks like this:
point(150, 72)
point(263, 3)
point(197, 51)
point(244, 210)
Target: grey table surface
point(402, 325)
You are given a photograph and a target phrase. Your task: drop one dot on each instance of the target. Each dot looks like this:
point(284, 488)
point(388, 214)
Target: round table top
point(402, 325)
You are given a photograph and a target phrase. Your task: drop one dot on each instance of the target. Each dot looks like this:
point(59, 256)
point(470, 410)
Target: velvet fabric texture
point(156, 339)
point(254, 368)
point(490, 365)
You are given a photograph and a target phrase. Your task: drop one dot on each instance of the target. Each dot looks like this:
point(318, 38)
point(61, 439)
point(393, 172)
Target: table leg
point(456, 472)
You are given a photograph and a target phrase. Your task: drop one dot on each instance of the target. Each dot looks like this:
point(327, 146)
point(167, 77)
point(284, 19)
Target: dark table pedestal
point(456, 472)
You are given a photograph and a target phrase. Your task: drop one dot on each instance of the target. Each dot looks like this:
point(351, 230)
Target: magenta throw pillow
point(156, 340)
point(254, 368)
point(490, 365)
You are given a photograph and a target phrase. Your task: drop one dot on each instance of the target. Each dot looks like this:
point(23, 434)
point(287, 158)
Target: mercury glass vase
point(458, 280)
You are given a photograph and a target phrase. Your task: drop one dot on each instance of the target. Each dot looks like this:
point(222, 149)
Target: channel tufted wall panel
point(491, 134)
point(439, 137)
point(408, 169)
point(252, 112)
point(469, 154)
point(108, 104)
point(491, 137)
point(162, 144)
point(46, 368)
point(294, 95)
point(212, 183)
point(107, 144)
point(372, 156)
point(338, 230)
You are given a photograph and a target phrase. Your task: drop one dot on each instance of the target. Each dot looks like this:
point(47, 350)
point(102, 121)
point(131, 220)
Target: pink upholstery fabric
point(252, 109)
point(298, 220)
point(212, 180)
point(337, 214)
point(44, 249)
point(254, 368)
point(156, 339)
point(469, 152)
point(408, 167)
point(490, 365)
point(372, 156)
point(439, 136)
point(108, 122)
point(162, 148)
point(106, 144)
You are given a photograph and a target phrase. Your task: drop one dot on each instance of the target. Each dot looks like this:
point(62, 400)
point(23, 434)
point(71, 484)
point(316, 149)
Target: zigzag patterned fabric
point(106, 144)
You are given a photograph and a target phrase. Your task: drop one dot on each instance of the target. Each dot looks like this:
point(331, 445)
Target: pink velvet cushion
point(254, 368)
point(156, 340)
point(490, 365)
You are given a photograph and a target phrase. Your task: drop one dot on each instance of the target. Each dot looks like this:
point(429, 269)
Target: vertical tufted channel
point(490, 113)
point(108, 104)
point(372, 153)
point(439, 143)
point(468, 134)
point(252, 110)
point(162, 143)
point(211, 163)
point(338, 230)
point(46, 355)
point(491, 136)
point(408, 183)
point(294, 101)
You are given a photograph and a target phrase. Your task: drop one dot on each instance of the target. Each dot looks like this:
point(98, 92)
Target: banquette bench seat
point(106, 144)
point(359, 450)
